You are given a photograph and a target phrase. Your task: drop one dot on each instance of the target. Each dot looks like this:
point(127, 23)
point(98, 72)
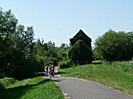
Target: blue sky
point(59, 20)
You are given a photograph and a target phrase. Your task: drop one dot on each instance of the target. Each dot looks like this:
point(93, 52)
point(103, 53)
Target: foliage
point(80, 53)
point(115, 46)
point(7, 81)
point(47, 53)
point(32, 88)
point(1, 87)
point(96, 54)
point(81, 36)
point(62, 51)
point(20, 55)
point(117, 75)
point(17, 57)
point(65, 64)
point(7, 28)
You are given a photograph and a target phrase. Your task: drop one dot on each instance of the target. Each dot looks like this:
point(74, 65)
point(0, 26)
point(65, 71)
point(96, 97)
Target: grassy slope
point(104, 73)
point(33, 88)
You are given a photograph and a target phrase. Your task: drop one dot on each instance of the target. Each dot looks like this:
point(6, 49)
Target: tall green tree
point(115, 45)
point(96, 54)
point(46, 52)
point(24, 59)
point(17, 57)
point(62, 52)
point(7, 28)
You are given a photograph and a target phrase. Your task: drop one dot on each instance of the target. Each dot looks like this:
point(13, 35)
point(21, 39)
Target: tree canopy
point(115, 45)
point(20, 55)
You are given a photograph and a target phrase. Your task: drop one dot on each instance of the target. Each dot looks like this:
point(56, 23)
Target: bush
point(24, 71)
point(7, 81)
point(64, 64)
point(80, 53)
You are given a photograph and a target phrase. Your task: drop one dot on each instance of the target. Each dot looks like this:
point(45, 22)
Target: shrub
point(65, 64)
point(24, 71)
point(80, 53)
point(7, 81)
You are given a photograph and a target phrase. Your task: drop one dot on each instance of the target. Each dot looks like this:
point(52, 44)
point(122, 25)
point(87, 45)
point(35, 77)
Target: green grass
point(32, 88)
point(7, 81)
point(115, 75)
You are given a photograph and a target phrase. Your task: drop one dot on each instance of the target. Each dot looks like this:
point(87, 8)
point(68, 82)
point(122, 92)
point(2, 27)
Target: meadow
point(118, 75)
point(31, 88)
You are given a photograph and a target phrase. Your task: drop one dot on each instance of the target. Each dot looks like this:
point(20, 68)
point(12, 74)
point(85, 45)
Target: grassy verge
point(33, 88)
point(114, 75)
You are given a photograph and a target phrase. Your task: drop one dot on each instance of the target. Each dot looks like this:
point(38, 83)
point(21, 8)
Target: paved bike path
point(75, 88)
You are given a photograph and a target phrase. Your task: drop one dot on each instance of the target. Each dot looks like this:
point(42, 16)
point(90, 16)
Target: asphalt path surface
point(75, 88)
